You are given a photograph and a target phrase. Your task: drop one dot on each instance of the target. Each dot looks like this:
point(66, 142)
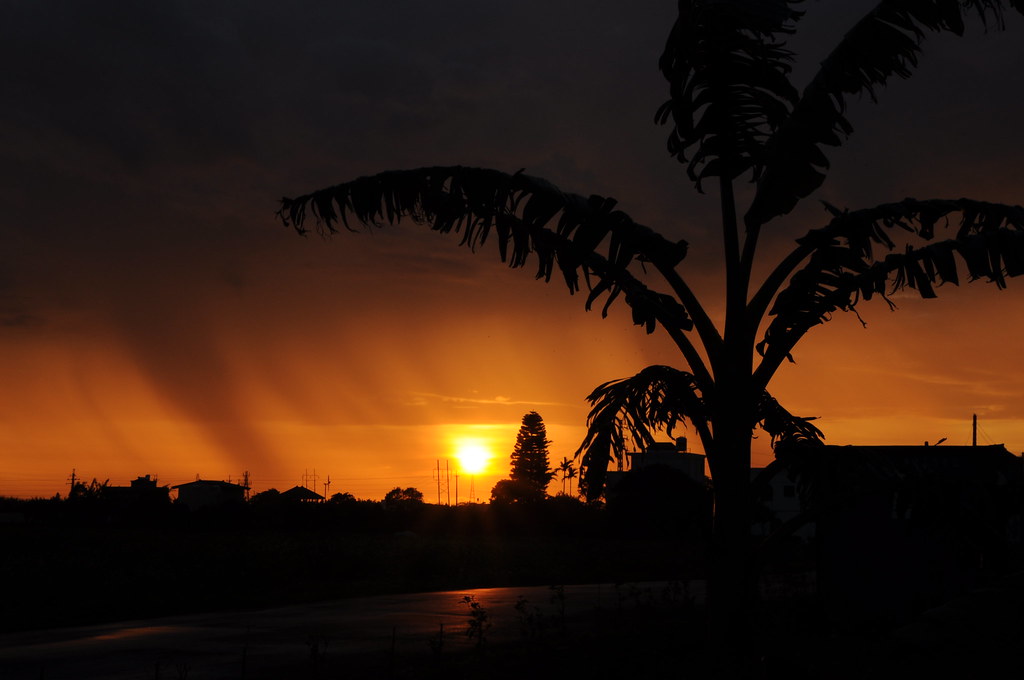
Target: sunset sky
point(156, 319)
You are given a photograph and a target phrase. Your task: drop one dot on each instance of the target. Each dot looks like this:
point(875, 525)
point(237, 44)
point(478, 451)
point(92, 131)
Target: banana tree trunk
point(732, 580)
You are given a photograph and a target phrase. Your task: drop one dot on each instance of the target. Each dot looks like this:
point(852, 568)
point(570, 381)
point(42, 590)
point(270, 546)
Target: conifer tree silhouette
point(530, 464)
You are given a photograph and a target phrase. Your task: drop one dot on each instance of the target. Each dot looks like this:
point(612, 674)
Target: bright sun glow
point(473, 454)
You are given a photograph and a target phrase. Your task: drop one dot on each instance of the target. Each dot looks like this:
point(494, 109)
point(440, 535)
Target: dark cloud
point(16, 319)
point(141, 81)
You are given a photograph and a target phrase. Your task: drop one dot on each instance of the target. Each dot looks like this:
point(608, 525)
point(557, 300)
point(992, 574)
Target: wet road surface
point(245, 644)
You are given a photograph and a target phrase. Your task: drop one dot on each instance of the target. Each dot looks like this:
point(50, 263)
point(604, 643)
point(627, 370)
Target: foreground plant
point(479, 621)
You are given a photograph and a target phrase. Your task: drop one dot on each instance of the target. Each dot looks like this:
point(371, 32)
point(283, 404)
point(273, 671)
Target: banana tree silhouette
point(733, 115)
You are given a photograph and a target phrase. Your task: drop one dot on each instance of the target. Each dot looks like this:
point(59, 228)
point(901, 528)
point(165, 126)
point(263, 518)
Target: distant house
point(300, 494)
point(204, 493)
point(672, 455)
point(903, 528)
point(142, 491)
point(664, 490)
point(779, 503)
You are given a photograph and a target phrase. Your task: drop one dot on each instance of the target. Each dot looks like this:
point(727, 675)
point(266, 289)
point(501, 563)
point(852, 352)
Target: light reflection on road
point(136, 632)
point(214, 643)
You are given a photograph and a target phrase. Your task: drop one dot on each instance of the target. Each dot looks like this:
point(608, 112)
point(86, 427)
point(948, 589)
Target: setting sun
point(473, 454)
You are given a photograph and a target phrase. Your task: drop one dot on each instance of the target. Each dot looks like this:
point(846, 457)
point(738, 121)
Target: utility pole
point(442, 482)
point(327, 485)
point(72, 480)
point(246, 483)
point(306, 476)
point(447, 482)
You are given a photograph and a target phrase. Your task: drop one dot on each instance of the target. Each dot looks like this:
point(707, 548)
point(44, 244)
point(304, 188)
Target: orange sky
point(155, 319)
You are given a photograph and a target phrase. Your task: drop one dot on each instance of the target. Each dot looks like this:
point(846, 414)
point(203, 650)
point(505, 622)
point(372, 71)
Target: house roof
point(301, 493)
point(199, 483)
point(993, 454)
point(993, 463)
point(916, 450)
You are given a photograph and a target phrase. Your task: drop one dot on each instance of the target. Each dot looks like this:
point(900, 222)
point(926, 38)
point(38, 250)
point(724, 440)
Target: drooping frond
point(824, 285)
point(656, 398)
point(628, 413)
point(728, 75)
point(784, 428)
point(843, 269)
point(883, 45)
point(631, 410)
point(524, 215)
point(795, 441)
point(792, 437)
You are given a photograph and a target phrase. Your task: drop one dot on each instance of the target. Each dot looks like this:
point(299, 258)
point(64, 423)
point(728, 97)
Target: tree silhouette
point(93, 491)
point(567, 470)
point(530, 463)
point(409, 497)
point(510, 491)
point(733, 115)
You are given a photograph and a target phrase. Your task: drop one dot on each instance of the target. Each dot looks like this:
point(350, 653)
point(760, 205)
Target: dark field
point(65, 566)
point(75, 569)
